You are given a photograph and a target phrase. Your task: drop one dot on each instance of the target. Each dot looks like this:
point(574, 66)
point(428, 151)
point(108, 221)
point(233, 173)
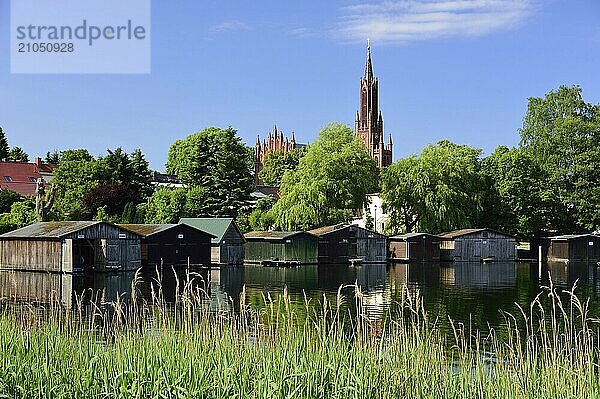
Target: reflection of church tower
point(368, 124)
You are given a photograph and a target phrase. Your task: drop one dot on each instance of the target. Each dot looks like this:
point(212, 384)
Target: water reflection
point(466, 292)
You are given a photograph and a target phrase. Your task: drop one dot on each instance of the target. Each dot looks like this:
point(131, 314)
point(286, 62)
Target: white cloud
point(302, 32)
point(406, 21)
point(231, 25)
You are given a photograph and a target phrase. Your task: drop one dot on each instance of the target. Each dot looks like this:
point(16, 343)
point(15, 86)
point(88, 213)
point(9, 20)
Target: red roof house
point(22, 176)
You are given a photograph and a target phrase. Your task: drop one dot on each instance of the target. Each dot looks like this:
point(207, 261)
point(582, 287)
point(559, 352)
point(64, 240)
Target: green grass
point(151, 350)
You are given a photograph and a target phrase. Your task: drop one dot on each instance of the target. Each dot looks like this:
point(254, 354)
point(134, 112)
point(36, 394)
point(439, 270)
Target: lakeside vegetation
point(143, 349)
point(549, 183)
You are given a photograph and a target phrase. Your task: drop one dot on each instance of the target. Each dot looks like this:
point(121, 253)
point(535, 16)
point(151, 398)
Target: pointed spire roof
point(390, 140)
point(369, 65)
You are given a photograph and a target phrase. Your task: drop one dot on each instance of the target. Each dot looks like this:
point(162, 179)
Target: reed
point(151, 349)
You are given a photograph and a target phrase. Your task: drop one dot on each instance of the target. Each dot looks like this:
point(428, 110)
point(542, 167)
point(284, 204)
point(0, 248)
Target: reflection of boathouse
point(69, 246)
point(40, 288)
point(477, 275)
point(477, 245)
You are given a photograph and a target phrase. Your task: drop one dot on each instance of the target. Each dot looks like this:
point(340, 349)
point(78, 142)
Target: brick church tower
point(368, 124)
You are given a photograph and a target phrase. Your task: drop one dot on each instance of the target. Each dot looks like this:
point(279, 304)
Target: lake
point(465, 292)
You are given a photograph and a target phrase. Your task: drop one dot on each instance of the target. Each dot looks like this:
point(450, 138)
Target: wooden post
point(540, 262)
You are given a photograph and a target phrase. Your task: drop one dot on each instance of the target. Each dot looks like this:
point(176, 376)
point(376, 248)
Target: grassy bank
point(151, 350)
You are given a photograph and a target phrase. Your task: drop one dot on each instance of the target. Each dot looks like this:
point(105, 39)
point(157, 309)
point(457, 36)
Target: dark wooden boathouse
point(343, 244)
point(281, 247)
point(568, 247)
point(172, 244)
point(228, 242)
point(478, 245)
point(70, 246)
point(414, 247)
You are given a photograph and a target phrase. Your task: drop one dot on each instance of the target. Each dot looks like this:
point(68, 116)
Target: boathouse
point(70, 246)
point(172, 244)
point(478, 245)
point(227, 247)
point(343, 244)
point(569, 247)
point(414, 247)
point(281, 247)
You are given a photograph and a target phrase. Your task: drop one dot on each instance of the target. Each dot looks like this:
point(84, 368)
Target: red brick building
point(368, 124)
point(276, 141)
point(22, 176)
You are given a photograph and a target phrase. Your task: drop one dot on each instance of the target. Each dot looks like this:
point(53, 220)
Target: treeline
point(213, 165)
point(550, 182)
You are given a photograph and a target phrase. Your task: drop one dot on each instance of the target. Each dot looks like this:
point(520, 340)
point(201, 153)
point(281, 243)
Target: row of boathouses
point(101, 246)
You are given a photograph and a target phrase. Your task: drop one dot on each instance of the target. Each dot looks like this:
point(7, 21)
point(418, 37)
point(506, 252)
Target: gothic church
point(368, 125)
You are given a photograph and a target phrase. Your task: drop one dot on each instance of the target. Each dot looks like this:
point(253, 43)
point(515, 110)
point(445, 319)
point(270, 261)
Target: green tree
point(7, 198)
point(166, 205)
point(52, 158)
point(277, 163)
point(330, 183)
point(439, 190)
point(261, 218)
point(561, 133)
point(141, 175)
point(521, 201)
point(17, 154)
point(84, 184)
point(77, 174)
point(217, 160)
point(4, 149)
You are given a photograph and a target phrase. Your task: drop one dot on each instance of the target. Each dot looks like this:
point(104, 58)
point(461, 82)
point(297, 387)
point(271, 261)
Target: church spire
point(369, 66)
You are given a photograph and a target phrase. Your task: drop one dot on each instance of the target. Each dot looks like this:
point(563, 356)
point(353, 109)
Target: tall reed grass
point(151, 349)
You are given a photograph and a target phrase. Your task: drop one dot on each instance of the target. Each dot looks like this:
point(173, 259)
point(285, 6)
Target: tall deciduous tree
point(7, 198)
point(217, 160)
point(520, 200)
point(277, 163)
point(77, 174)
point(439, 190)
point(561, 132)
point(329, 184)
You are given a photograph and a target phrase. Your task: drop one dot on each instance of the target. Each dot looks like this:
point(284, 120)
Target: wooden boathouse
point(281, 248)
point(228, 242)
point(478, 245)
point(172, 244)
point(343, 244)
point(70, 246)
point(414, 247)
point(567, 248)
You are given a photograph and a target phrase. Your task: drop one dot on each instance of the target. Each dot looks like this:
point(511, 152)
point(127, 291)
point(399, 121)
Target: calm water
point(468, 293)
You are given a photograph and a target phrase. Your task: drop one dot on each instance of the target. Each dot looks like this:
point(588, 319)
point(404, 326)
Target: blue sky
point(455, 69)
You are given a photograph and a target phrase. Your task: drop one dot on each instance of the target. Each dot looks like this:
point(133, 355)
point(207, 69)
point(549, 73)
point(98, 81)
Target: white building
point(373, 209)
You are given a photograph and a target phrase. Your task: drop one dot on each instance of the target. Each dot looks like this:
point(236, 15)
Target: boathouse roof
point(465, 232)
point(412, 235)
point(274, 235)
point(54, 230)
point(147, 230)
point(218, 227)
